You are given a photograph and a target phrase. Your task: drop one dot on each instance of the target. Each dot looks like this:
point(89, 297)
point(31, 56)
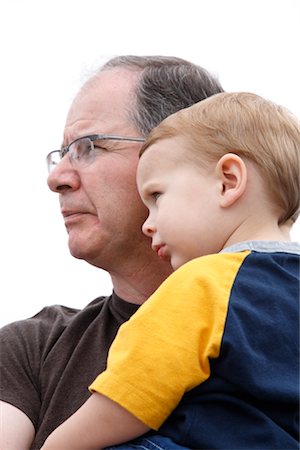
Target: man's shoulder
point(62, 314)
point(46, 327)
point(56, 323)
point(50, 315)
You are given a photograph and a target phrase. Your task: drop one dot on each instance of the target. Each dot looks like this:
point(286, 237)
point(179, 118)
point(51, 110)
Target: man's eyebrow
point(62, 146)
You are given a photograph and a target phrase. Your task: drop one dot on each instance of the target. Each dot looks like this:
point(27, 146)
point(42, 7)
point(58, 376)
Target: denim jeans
point(155, 442)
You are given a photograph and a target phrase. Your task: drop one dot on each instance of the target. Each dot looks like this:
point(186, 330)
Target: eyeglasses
point(82, 150)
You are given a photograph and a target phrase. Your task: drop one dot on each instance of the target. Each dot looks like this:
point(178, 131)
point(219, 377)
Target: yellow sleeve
point(164, 349)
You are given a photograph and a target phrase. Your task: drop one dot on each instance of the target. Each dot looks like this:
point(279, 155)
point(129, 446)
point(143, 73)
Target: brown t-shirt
point(49, 360)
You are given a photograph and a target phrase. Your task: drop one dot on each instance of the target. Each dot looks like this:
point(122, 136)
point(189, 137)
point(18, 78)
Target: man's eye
point(100, 147)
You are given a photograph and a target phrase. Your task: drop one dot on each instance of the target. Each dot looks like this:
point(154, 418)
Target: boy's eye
point(155, 195)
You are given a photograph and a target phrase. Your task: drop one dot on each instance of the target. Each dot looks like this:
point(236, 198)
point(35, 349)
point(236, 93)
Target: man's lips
point(71, 215)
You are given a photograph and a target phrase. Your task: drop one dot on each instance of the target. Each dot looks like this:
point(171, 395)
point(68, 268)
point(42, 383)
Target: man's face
point(100, 204)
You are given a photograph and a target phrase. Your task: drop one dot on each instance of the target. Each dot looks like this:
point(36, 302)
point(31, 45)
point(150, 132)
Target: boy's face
point(184, 214)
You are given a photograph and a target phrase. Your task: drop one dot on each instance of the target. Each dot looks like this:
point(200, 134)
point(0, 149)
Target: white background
point(47, 50)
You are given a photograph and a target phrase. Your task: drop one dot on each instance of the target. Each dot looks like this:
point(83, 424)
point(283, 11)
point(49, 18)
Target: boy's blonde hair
point(249, 126)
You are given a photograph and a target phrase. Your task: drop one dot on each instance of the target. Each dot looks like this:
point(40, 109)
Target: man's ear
point(232, 174)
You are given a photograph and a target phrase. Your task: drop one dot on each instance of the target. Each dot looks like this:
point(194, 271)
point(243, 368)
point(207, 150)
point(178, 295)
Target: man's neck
point(138, 286)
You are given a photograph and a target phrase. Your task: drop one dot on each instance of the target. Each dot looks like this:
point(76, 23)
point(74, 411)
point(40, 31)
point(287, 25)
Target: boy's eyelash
point(155, 195)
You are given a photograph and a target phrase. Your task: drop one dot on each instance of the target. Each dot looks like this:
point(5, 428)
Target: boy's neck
point(260, 233)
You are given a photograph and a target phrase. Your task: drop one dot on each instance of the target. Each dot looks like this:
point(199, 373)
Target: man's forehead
point(110, 87)
point(115, 79)
point(101, 106)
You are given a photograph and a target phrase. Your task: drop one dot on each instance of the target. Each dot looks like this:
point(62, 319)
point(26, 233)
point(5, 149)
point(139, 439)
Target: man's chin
point(80, 250)
point(77, 254)
point(87, 251)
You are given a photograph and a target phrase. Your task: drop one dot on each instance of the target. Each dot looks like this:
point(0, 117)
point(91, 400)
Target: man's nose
point(63, 177)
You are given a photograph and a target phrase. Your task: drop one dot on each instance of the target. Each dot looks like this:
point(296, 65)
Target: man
point(50, 359)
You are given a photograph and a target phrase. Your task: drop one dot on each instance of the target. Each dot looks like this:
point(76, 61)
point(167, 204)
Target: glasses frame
point(92, 137)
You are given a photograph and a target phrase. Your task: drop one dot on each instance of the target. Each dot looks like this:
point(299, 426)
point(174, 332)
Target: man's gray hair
point(166, 85)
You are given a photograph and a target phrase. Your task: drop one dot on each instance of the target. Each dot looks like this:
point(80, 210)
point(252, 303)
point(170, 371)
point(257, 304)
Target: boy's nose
point(148, 228)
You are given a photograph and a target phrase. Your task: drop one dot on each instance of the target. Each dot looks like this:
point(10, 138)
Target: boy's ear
point(232, 174)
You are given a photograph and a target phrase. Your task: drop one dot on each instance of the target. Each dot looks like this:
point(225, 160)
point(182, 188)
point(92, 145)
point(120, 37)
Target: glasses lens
point(82, 152)
point(53, 159)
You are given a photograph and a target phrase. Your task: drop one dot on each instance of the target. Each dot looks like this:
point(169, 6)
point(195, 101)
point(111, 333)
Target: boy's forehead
point(148, 161)
point(158, 152)
point(167, 147)
point(159, 156)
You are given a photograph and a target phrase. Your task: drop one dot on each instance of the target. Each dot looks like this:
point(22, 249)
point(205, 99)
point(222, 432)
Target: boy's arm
point(99, 423)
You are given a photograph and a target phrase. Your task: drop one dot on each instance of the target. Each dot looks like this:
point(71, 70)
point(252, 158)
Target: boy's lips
point(161, 251)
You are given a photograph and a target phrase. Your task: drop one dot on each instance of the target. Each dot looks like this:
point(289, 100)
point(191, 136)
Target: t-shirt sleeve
point(164, 350)
point(23, 347)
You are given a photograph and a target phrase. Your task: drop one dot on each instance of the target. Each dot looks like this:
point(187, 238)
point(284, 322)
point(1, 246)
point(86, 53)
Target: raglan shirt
point(48, 361)
point(224, 330)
